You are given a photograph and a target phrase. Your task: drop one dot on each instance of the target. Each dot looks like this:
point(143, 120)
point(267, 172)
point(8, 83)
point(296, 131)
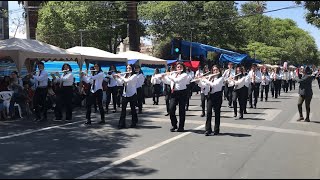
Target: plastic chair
point(6, 96)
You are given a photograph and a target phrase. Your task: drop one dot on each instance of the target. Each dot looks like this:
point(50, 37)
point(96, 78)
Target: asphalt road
point(267, 143)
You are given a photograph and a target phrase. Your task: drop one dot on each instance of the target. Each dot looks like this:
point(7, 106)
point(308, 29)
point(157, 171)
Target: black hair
point(184, 66)
point(307, 70)
point(70, 69)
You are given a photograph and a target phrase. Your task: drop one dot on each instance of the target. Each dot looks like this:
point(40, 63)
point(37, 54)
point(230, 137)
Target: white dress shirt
point(112, 82)
point(190, 76)
point(226, 76)
point(247, 81)
point(265, 79)
point(179, 82)
point(216, 85)
point(42, 79)
point(205, 88)
point(273, 75)
point(257, 78)
point(292, 75)
point(98, 78)
point(140, 80)
point(66, 79)
point(285, 75)
point(130, 85)
point(238, 84)
point(155, 80)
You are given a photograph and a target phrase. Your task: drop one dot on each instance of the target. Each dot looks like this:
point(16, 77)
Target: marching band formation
point(236, 85)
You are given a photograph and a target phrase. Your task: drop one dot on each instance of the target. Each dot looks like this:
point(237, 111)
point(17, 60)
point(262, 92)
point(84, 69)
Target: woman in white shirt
point(178, 83)
point(214, 100)
point(129, 95)
point(265, 80)
point(112, 89)
point(95, 93)
point(156, 82)
point(65, 93)
point(204, 89)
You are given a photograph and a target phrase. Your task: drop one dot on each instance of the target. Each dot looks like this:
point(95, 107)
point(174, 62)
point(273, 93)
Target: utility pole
point(134, 35)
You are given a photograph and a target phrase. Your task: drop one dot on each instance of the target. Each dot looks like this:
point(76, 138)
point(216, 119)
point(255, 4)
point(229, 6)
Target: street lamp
point(81, 30)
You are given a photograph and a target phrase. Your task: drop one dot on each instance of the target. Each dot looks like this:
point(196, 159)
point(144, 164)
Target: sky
point(296, 14)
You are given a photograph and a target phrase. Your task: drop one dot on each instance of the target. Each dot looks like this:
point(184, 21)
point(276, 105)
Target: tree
point(313, 16)
point(104, 23)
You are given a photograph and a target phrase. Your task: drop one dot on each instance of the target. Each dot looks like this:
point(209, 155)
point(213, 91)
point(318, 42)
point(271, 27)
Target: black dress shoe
point(180, 130)
point(215, 133)
point(235, 115)
point(300, 119)
point(167, 114)
point(102, 122)
point(241, 117)
point(114, 111)
point(245, 112)
point(173, 129)
point(207, 133)
point(87, 123)
point(202, 115)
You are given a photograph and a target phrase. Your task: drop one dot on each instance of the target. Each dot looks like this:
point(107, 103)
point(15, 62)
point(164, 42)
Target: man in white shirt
point(39, 103)
point(112, 89)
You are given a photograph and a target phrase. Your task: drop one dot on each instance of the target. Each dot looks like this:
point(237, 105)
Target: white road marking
point(245, 126)
point(296, 116)
point(132, 156)
point(269, 114)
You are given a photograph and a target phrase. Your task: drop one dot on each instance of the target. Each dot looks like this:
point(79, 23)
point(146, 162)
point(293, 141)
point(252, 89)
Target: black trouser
point(178, 97)
point(290, 84)
point(188, 95)
point(133, 102)
point(64, 99)
point(300, 102)
point(214, 101)
point(91, 98)
point(113, 91)
point(255, 91)
point(203, 102)
point(119, 95)
point(264, 88)
point(139, 98)
point(229, 95)
point(246, 96)
point(285, 85)
point(277, 88)
point(156, 93)
point(39, 102)
point(167, 98)
point(240, 94)
point(294, 84)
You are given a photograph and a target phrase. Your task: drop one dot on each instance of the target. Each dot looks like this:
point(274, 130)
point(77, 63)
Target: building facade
point(4, 20)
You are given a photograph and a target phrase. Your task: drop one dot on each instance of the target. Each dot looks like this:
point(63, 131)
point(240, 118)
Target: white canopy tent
point(91, 54)
point(26, 51)
point(142, 58)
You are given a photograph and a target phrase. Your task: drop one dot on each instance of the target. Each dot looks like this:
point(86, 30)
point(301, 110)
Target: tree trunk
point(134, 37)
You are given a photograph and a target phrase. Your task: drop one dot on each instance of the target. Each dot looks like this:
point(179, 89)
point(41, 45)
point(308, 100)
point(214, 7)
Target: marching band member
point(198, 73)
point(140, 82)
point(95, 93)
point(112, 89)
point(39, 103)
point(265, 81)
point(255, 75)
point(276, 79)
point(214, 101)
point(130, 81)
point(64, 94)
point(178, 84)
point(156, 82)
point(240, 92)
point(292, 80)
point(229, 85)
point(285, 80)
point(247, 84)
point(167, 91)
point(204, 89)
point(189, 85)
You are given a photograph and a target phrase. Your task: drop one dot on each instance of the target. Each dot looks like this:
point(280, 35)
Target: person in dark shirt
point(305, 93)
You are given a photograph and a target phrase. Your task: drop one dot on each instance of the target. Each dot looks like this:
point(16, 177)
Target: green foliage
point(60, 23)
point(313, 15)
